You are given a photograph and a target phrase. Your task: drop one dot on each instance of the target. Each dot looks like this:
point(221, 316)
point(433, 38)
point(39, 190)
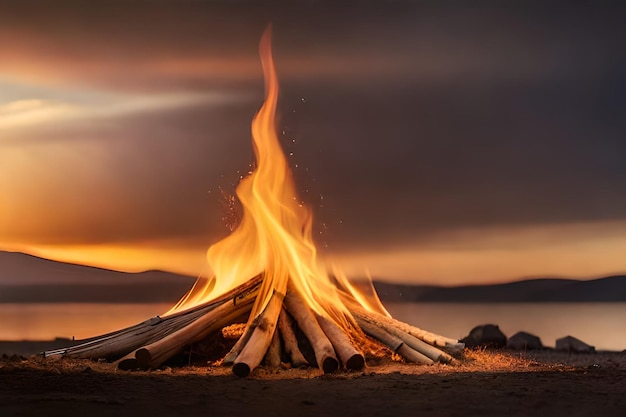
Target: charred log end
point(129, 364)
point(241, 369)
point(330, 365)
point(143, 358)
point(355, 363)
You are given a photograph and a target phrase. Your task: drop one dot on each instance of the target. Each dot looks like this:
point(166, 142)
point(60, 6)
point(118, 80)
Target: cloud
point(417, 120)
point(497, 254)
point(199, 44)
point(35, 112)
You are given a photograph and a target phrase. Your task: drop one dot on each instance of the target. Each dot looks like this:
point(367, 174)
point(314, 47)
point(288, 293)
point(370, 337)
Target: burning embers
point(266, 271)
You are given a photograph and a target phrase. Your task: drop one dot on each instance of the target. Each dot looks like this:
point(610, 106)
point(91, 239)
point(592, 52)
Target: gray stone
point(524, 341)
point(571, 344)
point(485, 335)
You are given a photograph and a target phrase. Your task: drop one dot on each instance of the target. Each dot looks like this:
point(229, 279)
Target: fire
point(274, 237)
point(270, 260)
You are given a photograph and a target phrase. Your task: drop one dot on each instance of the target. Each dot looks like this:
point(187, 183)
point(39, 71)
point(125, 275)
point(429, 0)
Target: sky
point(437, 142)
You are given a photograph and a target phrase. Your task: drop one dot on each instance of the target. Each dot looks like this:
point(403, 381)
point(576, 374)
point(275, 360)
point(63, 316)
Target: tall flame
point(274, 237)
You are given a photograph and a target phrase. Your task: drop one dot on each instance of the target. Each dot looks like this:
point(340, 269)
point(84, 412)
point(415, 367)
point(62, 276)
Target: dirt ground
point(482, 383)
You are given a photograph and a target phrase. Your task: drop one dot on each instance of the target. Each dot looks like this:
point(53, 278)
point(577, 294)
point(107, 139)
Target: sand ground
point(482, 383)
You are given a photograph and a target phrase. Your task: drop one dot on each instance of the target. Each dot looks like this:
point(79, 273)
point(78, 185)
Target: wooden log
point(259, 342)
point(450, 345)
point(126, 341)
point(119, 343)
point(285, 326)
point(412, 355)
point(127, 363)
point(381, 335)
point(154, 354)
point(273, 355)
point(350, 357)
point(423, 347)
point(411, 341)
point(113, 344)
point(323, 348)
point(234, 352)
point(230, 357)
point(394, 343)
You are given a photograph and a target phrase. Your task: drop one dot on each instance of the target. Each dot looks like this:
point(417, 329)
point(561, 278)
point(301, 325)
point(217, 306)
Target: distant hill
point(27, 278)
point(609, 289)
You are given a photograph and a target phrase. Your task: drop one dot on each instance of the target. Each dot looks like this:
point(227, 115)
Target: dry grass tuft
point(495, 361)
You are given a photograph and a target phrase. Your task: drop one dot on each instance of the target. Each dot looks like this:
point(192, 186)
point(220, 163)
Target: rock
point(487, 335)
point(524, 341)
point(571, 344)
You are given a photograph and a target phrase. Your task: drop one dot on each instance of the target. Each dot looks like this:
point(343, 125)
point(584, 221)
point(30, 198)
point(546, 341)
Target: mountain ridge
point(605, 289)
point(28, 278)
point(17, 268)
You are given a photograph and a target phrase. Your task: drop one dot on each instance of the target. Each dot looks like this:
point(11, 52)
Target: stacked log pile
point(271, 333)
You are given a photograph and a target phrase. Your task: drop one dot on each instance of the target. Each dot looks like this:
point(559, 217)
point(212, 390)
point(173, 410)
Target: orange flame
point(274, 237)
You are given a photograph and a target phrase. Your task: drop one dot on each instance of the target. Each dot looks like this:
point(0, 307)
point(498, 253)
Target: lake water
point(600, 324)
point(45, 321)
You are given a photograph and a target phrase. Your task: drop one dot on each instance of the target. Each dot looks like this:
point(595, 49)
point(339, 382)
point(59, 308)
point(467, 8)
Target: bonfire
point(267, 274)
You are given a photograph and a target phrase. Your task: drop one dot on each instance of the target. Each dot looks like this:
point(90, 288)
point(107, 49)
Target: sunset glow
point(424, 157)
point(473, 256)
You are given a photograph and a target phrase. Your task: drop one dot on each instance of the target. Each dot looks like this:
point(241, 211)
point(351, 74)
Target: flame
point(274, 237)
point(366, 296)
